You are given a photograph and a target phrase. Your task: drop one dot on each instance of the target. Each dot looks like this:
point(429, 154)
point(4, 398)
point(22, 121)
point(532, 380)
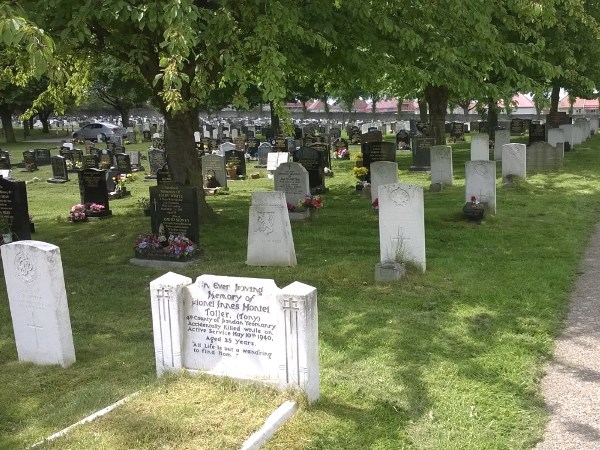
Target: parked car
point(92, 130)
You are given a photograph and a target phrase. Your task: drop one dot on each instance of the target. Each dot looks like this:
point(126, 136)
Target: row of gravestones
point(245, 338)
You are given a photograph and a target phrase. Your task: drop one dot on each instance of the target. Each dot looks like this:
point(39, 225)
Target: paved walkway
point(571, 387)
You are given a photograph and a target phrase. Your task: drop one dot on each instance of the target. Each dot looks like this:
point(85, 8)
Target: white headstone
point(568, 130)
point(234, 133)
point(578, 132)
point(197, 136)
point(401, 224)
point(501, 137)
point(207, 134)
point(480, 147)
point(514, 160)
point(156, 136)
point(382, 172)
point(594, 124)
point(480, 181)
point(244, 328)
point(275, 159)
point(68, 145)
point(215, 133)
point(225, 147)
point(270, 241)
point(38, 302)
point(556, 135)
point(6, 174)
point(292, 179)
point(441, 165)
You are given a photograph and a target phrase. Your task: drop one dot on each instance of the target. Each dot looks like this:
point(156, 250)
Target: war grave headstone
point(263, 153)
point(441, 165)
point(236, 160)
point(579, 131)
point(568, 136)
point(237, 327)
point(14, 209)
point(270, 241)
point(29, 161)
point(38, 303)
point(403, 140)
point(537, 132)
point(213, 172)
point(421, 153)
point(401, 228)
point(517, 127)
point(594, 123)
point(59, 170)
point(382, 172)
point(555, 136)
point(480, 181)
point(90, 162)
point(42, 156)
point(93, 189)
point(514, 161)
point(291, 178)
point(174, 211)
point(314, 160)
point(480, 147)
point(501, 137)
point(123, 163)
point(457, 131)
point(156, 159)
point(542, 156)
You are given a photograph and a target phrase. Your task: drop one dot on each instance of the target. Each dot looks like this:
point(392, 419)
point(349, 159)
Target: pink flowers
point(178, 245)
point(79, 212)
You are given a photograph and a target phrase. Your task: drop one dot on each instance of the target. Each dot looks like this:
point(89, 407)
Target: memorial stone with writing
point(441, 165)
point(90, 162)
point(517, 127)
point(403, 140)
point(174, 210)
point(163, 175)
point(480, 181)
point(240, 143)
point(214, 166)
point(537, 133)
point(136, 161)
point(14, 208)
point(377, 151)
point(38, 303)
point(29, 160)
point(106, 159)
point(42, 156)
point(156, 158)
point(252, 144)
point(59, 170)
point(237, 327)
point(263, 152)
point(123, 163)
point(314, 161)
point(292, 179)
point(457, 131)
point(93, 189)
point(236, 158)
point(225, 147)
point(421, 153)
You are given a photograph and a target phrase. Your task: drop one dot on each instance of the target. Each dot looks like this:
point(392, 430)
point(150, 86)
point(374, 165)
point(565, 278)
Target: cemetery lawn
point(448, 359)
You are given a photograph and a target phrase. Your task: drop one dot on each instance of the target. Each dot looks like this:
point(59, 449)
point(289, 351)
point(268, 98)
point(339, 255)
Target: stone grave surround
point(245, 328)
point(38, 302)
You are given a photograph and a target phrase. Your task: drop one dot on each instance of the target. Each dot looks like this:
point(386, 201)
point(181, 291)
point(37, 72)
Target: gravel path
point(571, 386)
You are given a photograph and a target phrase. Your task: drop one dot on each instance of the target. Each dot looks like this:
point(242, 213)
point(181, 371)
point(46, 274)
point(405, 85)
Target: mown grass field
point(447, 359)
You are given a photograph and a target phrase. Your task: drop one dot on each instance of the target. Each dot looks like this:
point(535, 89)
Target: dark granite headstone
point(14, 208)
point(377, 151)
point(537, 133)
point(4, 162)
point(92, 189)
point(371, 136)
point(156, 158)
point(236, 159)
point(403, 140)
point(158, 143)
point(457, 131)
point(340, 143)
point(42, 155)
point(29, 160)
point(297, 133)
point(90, 162)
point(421, 153)
point(279, 144)
point(517, 127)
point(263, 151)
point(163, 175)
point(123, 163)
point(174, 210)
point(106, 159)
point(335, 132)
point(557, 119)
point(59, 170)
point(136, 161)
point(314, 160)
point(354, 134)
point(252, 147)
point(111, 179)
point(240, 143)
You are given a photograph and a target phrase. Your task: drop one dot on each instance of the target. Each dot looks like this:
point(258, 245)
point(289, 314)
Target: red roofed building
point(581, 105)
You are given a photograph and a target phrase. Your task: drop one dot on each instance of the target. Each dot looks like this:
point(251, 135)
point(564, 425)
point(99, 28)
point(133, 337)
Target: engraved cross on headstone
point(35, 329)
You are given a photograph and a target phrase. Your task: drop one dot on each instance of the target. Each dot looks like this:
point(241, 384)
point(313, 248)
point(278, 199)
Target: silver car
point(93, 130)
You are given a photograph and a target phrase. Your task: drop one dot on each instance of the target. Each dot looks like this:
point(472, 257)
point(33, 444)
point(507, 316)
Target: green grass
point(448, 359)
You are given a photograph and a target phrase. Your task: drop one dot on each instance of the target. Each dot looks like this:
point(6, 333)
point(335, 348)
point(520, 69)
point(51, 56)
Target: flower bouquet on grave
point(342, 153)
point(77, 213)
point(311, 202)
point(474, 210)
point(94, 210)
point(361, 175)
point(174, 248)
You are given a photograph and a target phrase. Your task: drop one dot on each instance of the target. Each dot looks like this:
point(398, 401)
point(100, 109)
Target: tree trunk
point(437, 99)
point(304, 109)
point(184, 165)
point(26, 128)
point(554, 99)
point(422, 109)
point(466, 113)
point(124, 116)
point(275, 127)
point(492, 117)
point(44, 120)
point(7, 126)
